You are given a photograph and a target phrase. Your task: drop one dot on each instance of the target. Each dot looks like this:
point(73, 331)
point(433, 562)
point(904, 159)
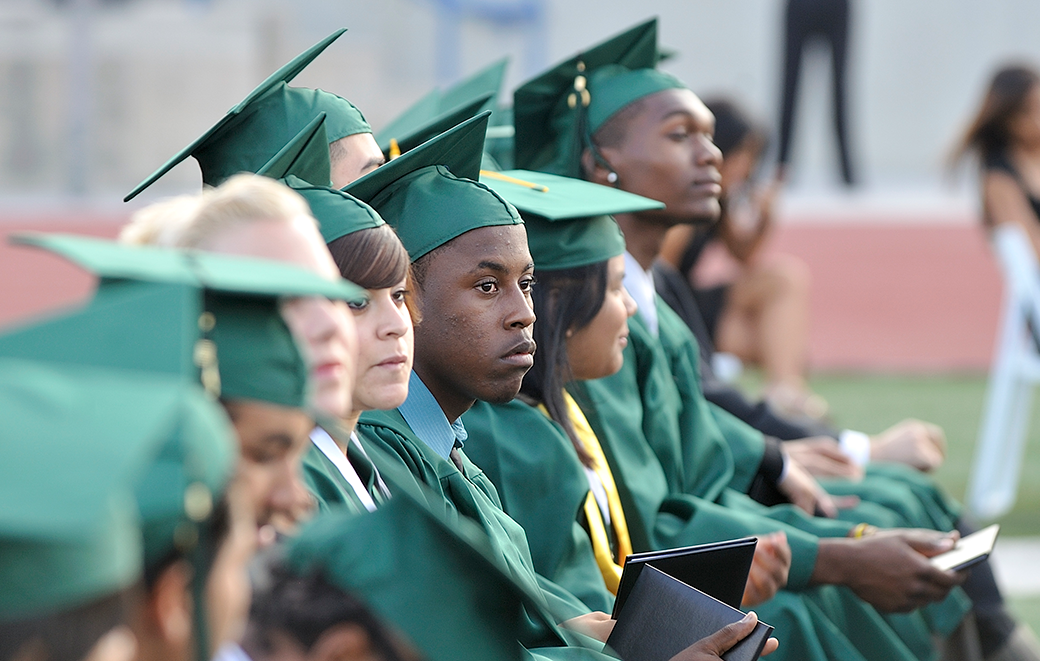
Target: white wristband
point(856, 446)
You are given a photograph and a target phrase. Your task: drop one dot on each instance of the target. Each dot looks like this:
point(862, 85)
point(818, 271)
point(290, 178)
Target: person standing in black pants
point(827, 20)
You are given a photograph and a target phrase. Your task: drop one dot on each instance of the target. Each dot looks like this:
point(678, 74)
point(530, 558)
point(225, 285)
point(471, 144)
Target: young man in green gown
point(473, 273)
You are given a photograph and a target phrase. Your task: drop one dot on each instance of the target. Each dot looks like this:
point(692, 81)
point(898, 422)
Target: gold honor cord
point(610, 569)
point(610, 564)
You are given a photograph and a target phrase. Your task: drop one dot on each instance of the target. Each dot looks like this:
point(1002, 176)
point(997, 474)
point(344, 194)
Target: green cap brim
point(412, 118)
point(459, 149)
point(306, 156)
point(568, 220)
point(225, 273)
point(436, 105)
point(486, 81)
point(283, 75)
point(561, 198)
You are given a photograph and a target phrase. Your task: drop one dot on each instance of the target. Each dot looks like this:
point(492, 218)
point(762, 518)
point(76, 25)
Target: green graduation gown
point(543, 487)
point(910, 498)
point(471, 494)
point(330, 489)
point(891, 496)
point(682, 483)
point(534, 465)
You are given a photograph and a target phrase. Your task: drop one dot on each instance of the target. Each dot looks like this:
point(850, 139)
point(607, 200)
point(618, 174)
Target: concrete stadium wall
point(162, 71)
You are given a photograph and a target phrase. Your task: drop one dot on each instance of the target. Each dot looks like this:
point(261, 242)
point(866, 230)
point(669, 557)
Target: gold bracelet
point(863, 530)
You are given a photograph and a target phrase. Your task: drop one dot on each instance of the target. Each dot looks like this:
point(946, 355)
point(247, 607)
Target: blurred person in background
point(1005, 137)
point(805, 22)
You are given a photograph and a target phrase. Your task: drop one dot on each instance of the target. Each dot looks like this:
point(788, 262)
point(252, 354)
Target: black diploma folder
point(719, 569)
point(663, 616)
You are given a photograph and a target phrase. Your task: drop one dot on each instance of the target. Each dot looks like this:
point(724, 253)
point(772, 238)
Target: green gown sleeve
point(543, 487)
point(704, 428)
point(472, 495)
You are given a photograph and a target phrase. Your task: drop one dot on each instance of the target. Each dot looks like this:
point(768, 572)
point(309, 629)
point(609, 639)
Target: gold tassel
point(491, 174)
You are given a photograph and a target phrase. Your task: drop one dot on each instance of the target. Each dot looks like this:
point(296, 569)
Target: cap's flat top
point(561, 198)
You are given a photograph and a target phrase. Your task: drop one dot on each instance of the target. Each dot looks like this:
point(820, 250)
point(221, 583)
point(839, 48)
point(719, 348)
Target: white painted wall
point(164, 70)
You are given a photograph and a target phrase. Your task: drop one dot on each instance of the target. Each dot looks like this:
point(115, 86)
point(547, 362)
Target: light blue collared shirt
point(427, 420)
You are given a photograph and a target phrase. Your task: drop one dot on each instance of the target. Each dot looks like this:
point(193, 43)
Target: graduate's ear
point(344, 642)
point(598, 170)
point(169, 606)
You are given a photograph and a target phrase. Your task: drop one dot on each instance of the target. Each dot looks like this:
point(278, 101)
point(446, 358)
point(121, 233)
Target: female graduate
point(338, 469)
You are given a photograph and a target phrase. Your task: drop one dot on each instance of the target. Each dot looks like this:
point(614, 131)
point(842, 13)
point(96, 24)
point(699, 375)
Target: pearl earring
point(612, 177)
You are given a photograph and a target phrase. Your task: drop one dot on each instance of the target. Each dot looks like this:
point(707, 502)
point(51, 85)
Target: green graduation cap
point(79, 440)
point(199, 315)
point(556, 113)
point(305, 156)
point(338, 213)
point(498, 146)
point(432, 580)
point(485, 81)
point(439, 110)
point(303, 165)
point(261, 124)
point(568, 220)
point(430, 195)
point(430, 129)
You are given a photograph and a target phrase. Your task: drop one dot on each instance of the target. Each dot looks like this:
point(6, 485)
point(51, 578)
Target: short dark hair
point(564, 299)
point(303, 607)
point(612, 132)
point(337, 152)
point(69, 634)
point(373, 258)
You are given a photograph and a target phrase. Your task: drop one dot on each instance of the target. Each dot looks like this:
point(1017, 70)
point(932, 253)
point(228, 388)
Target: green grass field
point(872, 403)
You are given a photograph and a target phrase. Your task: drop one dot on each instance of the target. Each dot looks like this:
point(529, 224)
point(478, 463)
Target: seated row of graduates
point(610, 447)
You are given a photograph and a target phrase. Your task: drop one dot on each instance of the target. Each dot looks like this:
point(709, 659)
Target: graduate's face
point(667, 154)
point(272, 440)
point(353, 157)
point(385, 342)
point(474, 341)
point(596, 350)
point(324, 329)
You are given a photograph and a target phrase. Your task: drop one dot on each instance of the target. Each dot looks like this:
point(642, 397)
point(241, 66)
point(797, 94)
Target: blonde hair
point(242, 198)
point(159, 224)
